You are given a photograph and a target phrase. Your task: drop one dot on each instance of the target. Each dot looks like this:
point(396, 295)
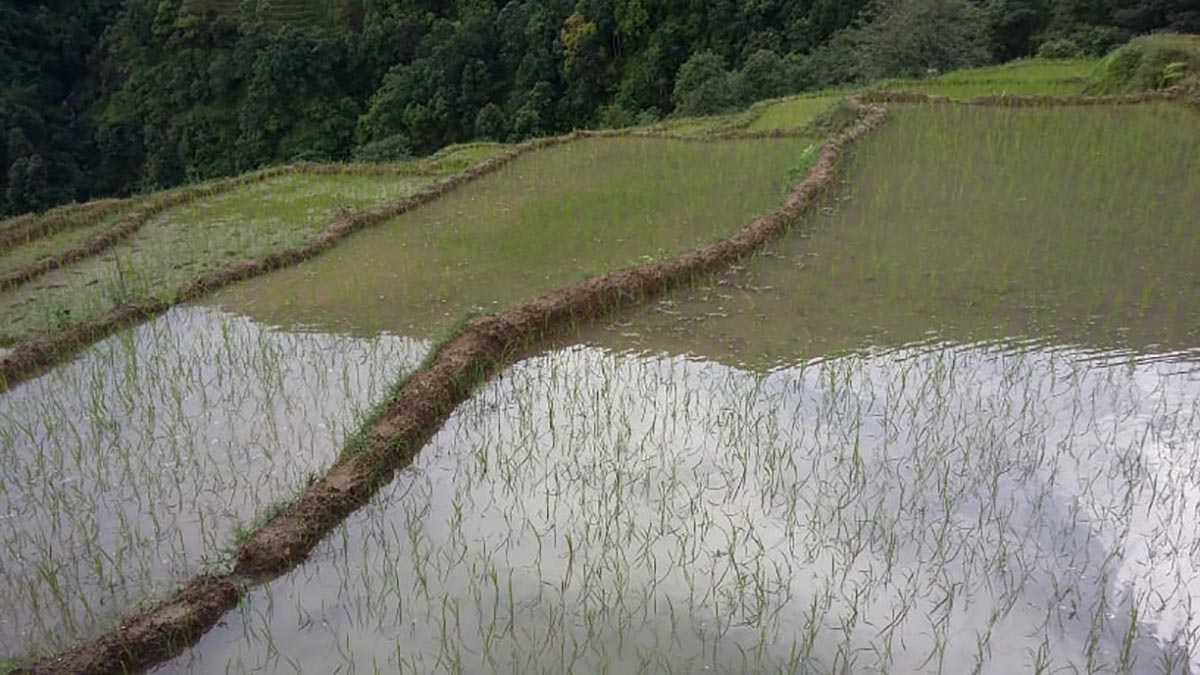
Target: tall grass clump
point(1147, 63)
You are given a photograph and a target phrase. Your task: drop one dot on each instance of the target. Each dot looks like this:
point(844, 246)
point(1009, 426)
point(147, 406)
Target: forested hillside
point(107, 97)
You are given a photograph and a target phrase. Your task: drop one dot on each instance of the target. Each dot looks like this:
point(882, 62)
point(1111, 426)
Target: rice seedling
point(545, 220)
point(1050, 77)
point(132, 468)
point(1070, 224)
point(947, 427)
point(792, 113)
point(187, 241)
point(43, 247)
point(923, 509)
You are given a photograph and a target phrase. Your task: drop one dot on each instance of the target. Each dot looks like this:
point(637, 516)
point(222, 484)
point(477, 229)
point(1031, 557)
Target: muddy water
point(129, 469)
point(545, 220)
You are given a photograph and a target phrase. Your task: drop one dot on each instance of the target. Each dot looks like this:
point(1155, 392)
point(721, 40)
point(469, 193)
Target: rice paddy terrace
point(833, 385)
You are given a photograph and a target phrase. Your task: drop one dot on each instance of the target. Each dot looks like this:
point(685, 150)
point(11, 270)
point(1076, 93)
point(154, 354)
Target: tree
point(490, 124)
point(703, 86)
point(1014, 25)
point(766, 75)
point(913, 37)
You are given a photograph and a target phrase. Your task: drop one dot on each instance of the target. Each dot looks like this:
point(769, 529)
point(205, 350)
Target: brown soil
point(152, 635)
point(478, 350)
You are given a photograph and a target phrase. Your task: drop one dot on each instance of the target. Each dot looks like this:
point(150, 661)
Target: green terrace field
point(946, 419)
point(542, 222)
point(944, 415)
point(214, 407)
point(1021, 78)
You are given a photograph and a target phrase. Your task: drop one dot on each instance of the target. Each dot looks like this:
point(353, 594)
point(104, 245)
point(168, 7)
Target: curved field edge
point(146, 208)
point(31, 357)
point(419, 406)
point(29, 228)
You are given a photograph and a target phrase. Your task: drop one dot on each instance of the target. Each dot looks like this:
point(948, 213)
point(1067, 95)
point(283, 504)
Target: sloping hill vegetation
point(1148, 62)
point(111, 97)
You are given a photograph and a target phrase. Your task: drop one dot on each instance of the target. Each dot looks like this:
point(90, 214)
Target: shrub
point(1059, 48)
point(1147, 63)
point(703, 86)
point(765, 75)
point(394, 148)
point(490, 123)
point(909, 38)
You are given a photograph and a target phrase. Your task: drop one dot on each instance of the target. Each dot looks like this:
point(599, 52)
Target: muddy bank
point(152, 635)
point(31, 357)
point(420, 407)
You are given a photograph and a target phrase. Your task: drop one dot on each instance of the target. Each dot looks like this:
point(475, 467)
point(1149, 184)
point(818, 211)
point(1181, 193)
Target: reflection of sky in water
point(125, 470)
point(933, 507)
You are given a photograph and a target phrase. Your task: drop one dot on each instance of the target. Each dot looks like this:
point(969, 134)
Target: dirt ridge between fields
point(26, 229)
point(32, 356)
point(142, 213)
point(422, 404)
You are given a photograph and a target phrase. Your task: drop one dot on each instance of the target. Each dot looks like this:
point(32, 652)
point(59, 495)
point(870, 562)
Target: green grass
point(793, 113)
point(543, 221)
point(1050, 77)
point(699, 126)
point(971, 223)
point(455, 158)
point(55, 243)
point(188, 241)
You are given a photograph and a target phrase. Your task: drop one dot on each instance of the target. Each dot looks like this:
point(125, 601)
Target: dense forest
point(108, 97)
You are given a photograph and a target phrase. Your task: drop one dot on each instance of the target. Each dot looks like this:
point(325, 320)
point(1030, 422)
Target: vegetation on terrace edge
point(108, 97)
point(1146, 63)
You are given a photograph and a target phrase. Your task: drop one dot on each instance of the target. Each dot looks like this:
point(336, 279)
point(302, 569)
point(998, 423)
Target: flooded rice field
point(946, 426)
point(546, 220)
point(133, 467)
point(950, 424)
point(1000, 507)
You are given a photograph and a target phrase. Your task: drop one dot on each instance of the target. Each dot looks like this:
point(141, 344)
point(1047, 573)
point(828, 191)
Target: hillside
point(117, 97)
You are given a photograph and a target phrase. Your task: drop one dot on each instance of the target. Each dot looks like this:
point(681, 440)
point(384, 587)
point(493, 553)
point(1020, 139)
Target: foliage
point(914, 37)
point(1150, 62)
point(109, 97)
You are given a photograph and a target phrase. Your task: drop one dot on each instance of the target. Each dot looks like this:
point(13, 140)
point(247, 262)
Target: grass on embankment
point(190, 240)
point(545, 220)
